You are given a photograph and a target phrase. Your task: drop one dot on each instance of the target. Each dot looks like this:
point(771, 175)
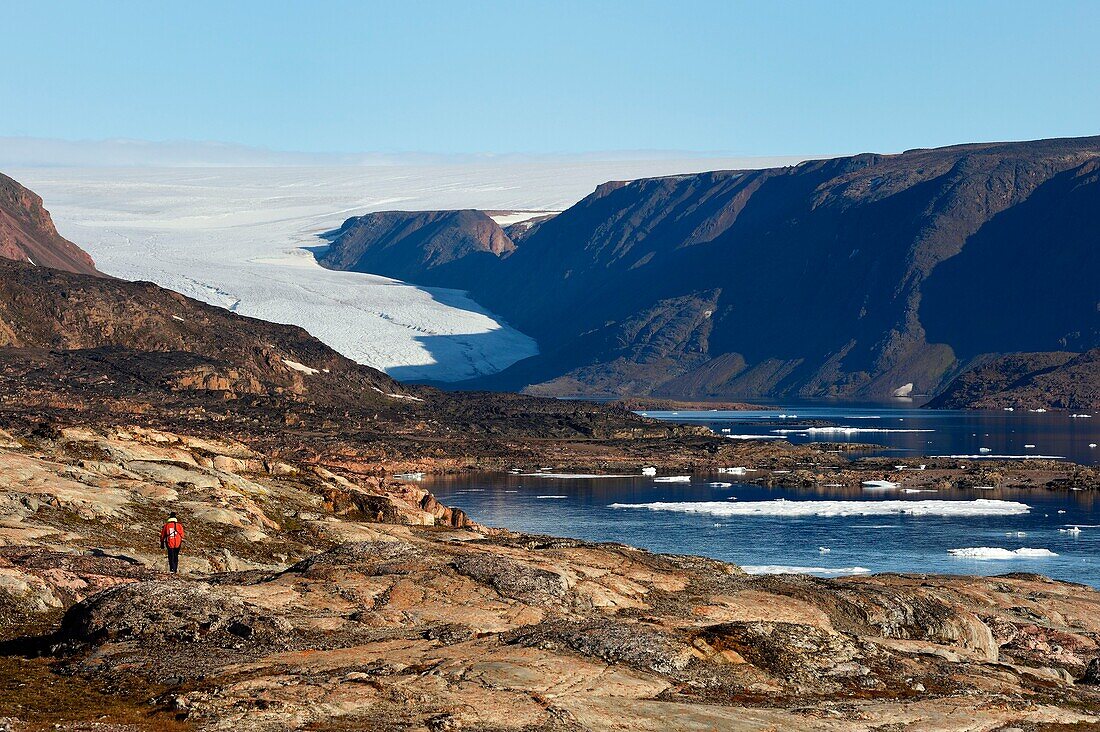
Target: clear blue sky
point(746, 78)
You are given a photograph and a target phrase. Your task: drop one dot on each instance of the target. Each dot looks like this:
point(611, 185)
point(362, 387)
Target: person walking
point(171, 538)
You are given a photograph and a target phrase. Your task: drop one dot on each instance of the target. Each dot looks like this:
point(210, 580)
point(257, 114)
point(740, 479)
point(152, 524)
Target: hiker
point(171, 538)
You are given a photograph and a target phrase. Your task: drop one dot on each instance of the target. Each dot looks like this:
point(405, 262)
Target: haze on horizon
point(570, 78)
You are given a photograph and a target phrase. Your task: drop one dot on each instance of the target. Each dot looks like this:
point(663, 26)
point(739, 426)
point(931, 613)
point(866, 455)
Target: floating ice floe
point(1017, 534)
point(989, 552)
point(573, 476)
point(548, 497)
point(753, 437)
point(735, 471)
point(1040, 410)
point(788, 569)
point(719, 484)
point(1071, 530)
point(881, 485)
point(986, 450)
point(1092, 444)
point(673, 479)
point(300, 367)
point(823, 550)
point(1029, 447)
point(919, 490)
point(1009, 409)
point(841, 430)
point(1080, 416)
point(1006, 457)
point(801, 509)
point(649, 471)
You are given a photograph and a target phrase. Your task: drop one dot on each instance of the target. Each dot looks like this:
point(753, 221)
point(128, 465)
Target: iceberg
point(673, 479)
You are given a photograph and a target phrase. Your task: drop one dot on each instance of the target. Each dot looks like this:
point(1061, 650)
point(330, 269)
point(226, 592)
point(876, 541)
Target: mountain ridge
point(844, 277)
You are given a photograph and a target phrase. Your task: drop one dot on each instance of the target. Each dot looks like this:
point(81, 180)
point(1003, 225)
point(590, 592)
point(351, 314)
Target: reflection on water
point(825, 544)
point(910, 432)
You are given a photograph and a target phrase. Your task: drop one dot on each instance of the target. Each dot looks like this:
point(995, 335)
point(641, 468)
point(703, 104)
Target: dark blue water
point(944, 432)
point(878, 543)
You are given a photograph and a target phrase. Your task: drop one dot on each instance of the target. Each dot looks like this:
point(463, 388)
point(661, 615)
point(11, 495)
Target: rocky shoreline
point(328, 597)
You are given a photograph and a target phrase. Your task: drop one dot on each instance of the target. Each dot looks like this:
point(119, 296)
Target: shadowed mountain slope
point(846, 277)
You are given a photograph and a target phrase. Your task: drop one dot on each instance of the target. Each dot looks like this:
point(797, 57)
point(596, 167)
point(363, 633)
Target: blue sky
point(753, 78)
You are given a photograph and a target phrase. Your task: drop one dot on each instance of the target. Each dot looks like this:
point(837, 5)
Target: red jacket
point(171, 535)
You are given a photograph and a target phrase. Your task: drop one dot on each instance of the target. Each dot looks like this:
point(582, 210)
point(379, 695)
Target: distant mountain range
point(850, 277)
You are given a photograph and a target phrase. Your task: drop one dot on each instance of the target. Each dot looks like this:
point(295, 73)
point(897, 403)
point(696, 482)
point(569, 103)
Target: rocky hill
point(439, 248)
point(1030, 381)
point(27, 232)
point(847, 277)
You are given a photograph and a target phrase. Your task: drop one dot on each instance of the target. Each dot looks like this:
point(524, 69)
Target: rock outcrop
point(27, 233)
point(1028, 381)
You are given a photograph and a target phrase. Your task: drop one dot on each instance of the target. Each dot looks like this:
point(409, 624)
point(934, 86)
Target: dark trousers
point(173, 559)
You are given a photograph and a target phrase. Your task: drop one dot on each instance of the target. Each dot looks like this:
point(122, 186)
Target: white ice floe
point(649, 471)
point(841, 430)
point(989, 552)
point(301, 367)
point(1006, 457)
point(823, 550)
point(1071, 530)
point(753, 437)
point(1017, 534)
point(986, 450)
point(673, 479)
point(550, 497)
point(719, 484)
point(1040, 410)
point(789, 569)
point(1009, 409)
point(574, 476)
point(801, 509)
point(1029, 447)
point(1080, 416)
point(919, 490)
point(735, 471)
point(881, 485)
point(1092, 444)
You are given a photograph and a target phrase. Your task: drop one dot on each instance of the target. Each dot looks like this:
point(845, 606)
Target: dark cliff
point(846, 277)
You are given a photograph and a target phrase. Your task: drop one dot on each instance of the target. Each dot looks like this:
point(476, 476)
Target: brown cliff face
point(440, 248)
point(847, 277)
point(27, 233)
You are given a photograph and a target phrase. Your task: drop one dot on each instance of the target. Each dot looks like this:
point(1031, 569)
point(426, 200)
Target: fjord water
point(913, 432)
point(597, 509)
point(583, 508)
